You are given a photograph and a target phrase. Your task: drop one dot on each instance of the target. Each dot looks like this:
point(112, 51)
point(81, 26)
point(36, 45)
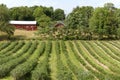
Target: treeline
point(82, 23)
point(88, 23)
point(44, 16)
point(95, 23)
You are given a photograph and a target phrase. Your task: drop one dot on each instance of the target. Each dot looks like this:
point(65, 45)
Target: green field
point(60, 60)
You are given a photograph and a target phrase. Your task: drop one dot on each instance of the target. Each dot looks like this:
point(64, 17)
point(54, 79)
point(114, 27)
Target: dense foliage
point(43, 15)
point(87, 23)
point(83, 22)
point(104, 22)
point(4, 20)
point(98, 23)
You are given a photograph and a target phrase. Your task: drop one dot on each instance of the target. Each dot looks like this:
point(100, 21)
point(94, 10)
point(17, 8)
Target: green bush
point(8, 66)
point(27, 66)
point(41, 72)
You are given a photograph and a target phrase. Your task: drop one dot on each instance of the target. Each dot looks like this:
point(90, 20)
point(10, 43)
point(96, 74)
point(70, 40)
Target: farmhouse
point(27, 25)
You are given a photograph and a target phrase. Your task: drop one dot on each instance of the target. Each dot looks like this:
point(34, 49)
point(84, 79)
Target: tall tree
point(4, 13)
point(4, 20)
point(103, 22)
point(15, 13)
point(109, 5)
point(59, 14)
point(26, 14)
point(48, 11)
point(44, 21)
point(21, 13)
point(117, 14)
point(38, 12)
point(80, 17)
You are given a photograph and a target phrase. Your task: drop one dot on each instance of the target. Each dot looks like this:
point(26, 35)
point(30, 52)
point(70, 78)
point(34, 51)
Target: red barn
point(27, 25)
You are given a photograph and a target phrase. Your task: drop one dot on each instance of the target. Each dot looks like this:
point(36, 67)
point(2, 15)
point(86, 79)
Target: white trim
point(23, 22)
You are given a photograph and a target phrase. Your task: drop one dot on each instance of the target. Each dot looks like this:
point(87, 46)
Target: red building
point(27, 25)
point(59, 24)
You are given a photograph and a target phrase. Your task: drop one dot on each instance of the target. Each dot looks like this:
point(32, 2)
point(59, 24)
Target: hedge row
point(63, 72)
point(27, 66)
point(87, 65)
point(97, 54)
point(41, 72)
point(113, 64)
point(19, 53)
point(80, 73)
point(4, 45)
point(15, 49)
point(9, 48)
point(8, 66)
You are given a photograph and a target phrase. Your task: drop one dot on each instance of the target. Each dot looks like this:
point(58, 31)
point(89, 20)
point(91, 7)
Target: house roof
point(59, 23)
point(22, 22)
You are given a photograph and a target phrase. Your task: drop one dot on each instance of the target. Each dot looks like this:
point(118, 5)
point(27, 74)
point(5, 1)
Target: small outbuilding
point(27, 25)
point(59, 24)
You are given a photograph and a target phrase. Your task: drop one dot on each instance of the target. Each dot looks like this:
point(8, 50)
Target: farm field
point(60, 60)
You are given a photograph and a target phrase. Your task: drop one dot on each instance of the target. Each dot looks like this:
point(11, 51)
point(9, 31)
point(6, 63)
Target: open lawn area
point(24, 33)
point(18, 34)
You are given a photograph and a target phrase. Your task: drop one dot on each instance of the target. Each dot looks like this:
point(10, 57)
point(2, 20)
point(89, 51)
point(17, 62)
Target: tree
point(109, 5)
point(26, 14)
point(21, 13)
point(38, 12)
point(118, 33)
point(4, 13)
point(97, 22)
point(7, 28)
point(59, 14)
point(117, 14)
point(49, 12)
point(44, 21)
point(79, 17)
point(4, 20)
point(43, 16)
point(103, 22)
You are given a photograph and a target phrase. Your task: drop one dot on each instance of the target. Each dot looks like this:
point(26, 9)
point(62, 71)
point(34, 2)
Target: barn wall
point(26, 27)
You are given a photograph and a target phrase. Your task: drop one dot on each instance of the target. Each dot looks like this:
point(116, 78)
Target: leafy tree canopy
point(59, 14)
point(4, 20)
point(79, 17)
point(103, 22)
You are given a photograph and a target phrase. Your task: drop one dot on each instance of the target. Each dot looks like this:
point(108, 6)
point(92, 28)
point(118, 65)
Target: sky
point(66, 5)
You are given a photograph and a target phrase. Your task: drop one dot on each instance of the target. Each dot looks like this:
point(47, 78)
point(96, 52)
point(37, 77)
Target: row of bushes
point(41, 72)
point(8, 66)
point(24, 68)
point(13, 47)
point(4, 45)
point(9, 48)
point(65, 33)
point(101, 73)
point(15, 55)
point(112, 52)
point(80, 73)
point(104, 60)
point(109, 59)
point(63, 73)
point(100, 69)
point(16, 48)
point(96, 73)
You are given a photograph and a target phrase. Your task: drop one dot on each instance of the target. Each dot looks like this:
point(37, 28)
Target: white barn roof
point(23, 22)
